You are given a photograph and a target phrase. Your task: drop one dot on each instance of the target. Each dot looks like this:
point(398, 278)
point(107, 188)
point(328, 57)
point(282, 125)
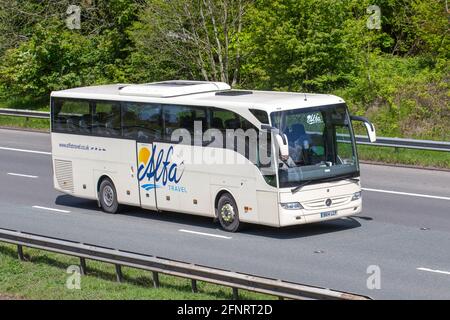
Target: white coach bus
point(202, 148)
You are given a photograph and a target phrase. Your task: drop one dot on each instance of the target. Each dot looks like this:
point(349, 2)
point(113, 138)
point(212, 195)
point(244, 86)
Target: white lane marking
point(205, 234)
point(434, 271)
point(26, 151)
point(408, 194)
point(51, 209)
point(22, 175)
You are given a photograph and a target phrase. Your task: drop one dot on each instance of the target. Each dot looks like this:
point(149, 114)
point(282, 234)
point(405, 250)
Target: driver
point(299, 141)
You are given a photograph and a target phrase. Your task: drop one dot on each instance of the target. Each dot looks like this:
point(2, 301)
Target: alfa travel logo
point(156, 168)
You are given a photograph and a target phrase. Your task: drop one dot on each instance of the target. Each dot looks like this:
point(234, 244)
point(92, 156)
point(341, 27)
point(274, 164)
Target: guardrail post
point(235, 294)
point(83, 266)
point(194, 285)
point(20, 253)
point(155, 280)
point(119, 275)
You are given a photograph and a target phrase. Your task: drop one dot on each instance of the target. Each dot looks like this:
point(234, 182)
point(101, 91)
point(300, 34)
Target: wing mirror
point(369, 127)
point(281, 140)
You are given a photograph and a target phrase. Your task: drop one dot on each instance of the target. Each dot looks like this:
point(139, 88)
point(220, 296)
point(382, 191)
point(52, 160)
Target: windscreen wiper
point(298, 188)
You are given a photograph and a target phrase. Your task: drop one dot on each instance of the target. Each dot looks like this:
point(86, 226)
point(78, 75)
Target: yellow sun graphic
point(144, 155)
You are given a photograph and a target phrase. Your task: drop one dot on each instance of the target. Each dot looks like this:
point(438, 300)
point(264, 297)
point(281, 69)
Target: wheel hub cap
point(227, 213)
point(108, 196)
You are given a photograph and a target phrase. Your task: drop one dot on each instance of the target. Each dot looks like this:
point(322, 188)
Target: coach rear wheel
point(228, 214)
point(108, 197)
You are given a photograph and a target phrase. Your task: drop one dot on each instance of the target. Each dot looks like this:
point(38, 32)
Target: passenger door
point(145, 175)
point(183, 181)
point(142, 122)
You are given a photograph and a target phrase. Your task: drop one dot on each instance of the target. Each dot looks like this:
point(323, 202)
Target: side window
point(253, 144)
point(142, 121)
point(224, 119)
point(183, 117)
point(106, 119)
point(250, 140)
point(72, 116)
point(261, 115)
point(244, 141)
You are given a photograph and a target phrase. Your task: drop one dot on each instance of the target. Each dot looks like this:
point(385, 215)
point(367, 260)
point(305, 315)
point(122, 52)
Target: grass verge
point(24, 123)
point(44, 277)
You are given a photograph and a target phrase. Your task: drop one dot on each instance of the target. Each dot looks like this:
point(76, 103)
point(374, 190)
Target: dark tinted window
point(261, 115)
point(183, 117)
point(72, 116)
point(238, 133)
point(224, 119)
point(106, 119)
point(253, 144)
point(142, 121)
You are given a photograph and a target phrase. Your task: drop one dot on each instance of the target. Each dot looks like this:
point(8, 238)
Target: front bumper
point(303, 216)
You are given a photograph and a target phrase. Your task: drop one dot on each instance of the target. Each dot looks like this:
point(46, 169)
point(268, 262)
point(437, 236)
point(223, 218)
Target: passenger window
point(72, 116)
point(223, 119)
point(244, 141)
point(106, 119)
point(183, 117)
point(142, 121)
point(261, 115)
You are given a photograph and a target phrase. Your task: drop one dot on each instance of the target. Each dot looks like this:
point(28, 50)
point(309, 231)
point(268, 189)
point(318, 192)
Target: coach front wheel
point(228, 214)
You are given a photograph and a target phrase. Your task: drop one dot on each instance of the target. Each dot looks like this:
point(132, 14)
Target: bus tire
point(228, 214)
point(108, 197)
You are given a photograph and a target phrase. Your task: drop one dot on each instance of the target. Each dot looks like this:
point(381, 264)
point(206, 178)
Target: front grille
point(320, 204)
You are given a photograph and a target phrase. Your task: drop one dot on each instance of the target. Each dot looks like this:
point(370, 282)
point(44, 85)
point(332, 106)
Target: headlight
point(291, 206)
point(357, 196)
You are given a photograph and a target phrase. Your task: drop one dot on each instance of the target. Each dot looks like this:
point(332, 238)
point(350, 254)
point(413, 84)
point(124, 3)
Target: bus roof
point(200, 93)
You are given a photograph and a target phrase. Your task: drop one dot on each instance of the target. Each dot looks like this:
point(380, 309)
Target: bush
point(403, 96)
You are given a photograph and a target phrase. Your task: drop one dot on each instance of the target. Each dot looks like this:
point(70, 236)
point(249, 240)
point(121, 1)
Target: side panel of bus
point(189, 179)
point(233, 173)
point(80, 161)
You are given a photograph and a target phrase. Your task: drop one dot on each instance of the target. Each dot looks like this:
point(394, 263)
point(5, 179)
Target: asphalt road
point(398, 204)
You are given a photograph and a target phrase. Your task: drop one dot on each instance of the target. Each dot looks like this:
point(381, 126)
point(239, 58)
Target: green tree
point(196, 39)
point(299, 45)
point(415, 26)
point(44, 55)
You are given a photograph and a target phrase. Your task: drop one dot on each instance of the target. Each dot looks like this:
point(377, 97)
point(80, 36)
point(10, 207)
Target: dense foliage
point(397, 75)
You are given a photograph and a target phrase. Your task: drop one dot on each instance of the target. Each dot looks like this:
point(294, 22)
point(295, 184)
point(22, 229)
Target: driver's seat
point(297, 132)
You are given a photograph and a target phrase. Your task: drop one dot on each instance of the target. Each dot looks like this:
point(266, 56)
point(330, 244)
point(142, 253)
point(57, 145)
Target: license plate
point(328, 214)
